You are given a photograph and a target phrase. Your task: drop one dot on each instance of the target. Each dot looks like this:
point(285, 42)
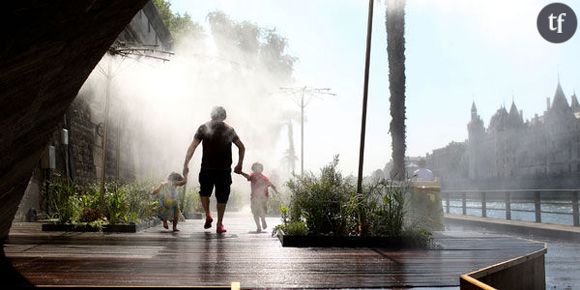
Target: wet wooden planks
point(197, 257)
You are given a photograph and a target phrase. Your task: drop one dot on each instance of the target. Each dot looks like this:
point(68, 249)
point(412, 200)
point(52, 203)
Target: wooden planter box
point(349, 242)
point(117, 228)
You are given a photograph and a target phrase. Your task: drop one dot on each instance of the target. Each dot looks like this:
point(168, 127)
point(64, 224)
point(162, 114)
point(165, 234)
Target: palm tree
point(395, 24)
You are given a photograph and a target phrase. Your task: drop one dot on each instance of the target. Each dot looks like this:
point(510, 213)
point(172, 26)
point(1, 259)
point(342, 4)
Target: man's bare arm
point(189, 155)
point(241, 152)
point(182, 182)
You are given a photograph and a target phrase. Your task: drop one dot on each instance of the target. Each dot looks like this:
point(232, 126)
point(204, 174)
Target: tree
point(179, 25)
point(395, 25)
point(257, 43)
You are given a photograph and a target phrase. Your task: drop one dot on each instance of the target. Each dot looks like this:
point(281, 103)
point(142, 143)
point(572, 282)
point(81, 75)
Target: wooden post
point(538, 205)
point(464, 203)
point(575, 210)
point(483, 204)
point(508, 206)
point(447, 197)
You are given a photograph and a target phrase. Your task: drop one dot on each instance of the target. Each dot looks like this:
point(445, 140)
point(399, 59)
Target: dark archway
point(48, 51)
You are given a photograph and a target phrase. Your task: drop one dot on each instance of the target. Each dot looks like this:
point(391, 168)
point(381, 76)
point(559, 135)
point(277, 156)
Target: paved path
point(197, 257)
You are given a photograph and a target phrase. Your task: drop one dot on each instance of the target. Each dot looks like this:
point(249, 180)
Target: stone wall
point(82, 138)
point(47, 52)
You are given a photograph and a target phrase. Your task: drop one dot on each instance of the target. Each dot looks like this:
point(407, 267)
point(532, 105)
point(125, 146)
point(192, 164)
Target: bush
point(128, 203)
point(385, 203)
point(297, 228)
point(320, 200)
point(64, 200)
point(189, 200)
point(329, 205)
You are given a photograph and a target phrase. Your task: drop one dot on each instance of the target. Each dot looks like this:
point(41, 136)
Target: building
point(543, 152)
point(75, 149)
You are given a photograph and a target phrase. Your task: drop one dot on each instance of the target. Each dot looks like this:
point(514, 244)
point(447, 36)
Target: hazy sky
point(457, 51)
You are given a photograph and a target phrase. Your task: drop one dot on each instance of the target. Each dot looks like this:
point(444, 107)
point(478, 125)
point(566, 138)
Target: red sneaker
point(208, 221)
point(220, 229)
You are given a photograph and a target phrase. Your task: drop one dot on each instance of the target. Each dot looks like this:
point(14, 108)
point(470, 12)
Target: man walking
point(217, 138)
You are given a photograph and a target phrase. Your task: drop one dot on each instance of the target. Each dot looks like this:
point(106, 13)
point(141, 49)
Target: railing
point(558, 204)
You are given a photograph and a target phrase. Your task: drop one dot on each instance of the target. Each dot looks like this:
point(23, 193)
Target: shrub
point(297, 228)
point(120, 204)
point(320, 200)
point(140, 204)
point(328, 205)
point(385, 203)
point(64, 200)
point(189, 200)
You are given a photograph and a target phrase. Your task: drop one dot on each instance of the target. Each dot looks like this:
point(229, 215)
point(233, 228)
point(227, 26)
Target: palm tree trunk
point(395, 24)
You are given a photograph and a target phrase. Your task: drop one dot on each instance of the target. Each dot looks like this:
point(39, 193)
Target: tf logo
point(557, 22)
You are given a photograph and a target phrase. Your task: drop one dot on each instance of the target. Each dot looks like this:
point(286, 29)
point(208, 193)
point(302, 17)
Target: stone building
point(543, 152)
point(75, 149)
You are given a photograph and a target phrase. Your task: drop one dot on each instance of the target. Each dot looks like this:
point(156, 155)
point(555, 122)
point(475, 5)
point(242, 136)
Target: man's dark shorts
point(221, 179)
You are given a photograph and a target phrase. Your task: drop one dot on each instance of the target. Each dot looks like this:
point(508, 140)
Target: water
point(554, 211)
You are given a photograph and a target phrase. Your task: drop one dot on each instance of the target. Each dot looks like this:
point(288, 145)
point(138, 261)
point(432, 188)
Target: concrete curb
point(520, 227)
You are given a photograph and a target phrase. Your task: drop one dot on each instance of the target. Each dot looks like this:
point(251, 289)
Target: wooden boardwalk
point(197, 257)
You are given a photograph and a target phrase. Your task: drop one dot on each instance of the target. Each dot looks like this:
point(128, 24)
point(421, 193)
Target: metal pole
point(538, 206)
point(508, 206)
point(105, 121)
point(464, 203)
point(365, 98)
point(575, 209)
point(483, 204)
point(302, 133)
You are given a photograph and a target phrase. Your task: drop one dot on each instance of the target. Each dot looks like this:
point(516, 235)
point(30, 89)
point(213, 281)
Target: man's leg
point(221, 208)
point(222, 194)
point(205, 205)
point(205, 189)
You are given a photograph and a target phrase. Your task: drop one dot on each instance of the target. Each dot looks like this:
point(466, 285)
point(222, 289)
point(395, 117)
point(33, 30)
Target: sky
point(457, 52)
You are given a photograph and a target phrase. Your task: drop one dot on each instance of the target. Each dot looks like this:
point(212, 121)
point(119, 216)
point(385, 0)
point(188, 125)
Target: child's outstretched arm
point(247, 176)
point(156, 190)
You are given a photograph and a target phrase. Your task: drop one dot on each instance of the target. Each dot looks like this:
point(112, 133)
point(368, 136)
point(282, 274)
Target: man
point(423, 174)
point(217, 138)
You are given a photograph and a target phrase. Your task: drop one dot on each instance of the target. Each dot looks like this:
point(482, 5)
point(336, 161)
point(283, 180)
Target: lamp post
point(365, 98)
point(303, 91)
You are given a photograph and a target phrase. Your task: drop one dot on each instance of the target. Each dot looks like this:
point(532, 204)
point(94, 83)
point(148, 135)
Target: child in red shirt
point(259, 196)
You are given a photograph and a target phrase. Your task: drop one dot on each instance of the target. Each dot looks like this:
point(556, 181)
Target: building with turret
point(543, 152)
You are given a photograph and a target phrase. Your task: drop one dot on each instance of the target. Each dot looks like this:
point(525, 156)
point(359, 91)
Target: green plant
point(297, 228)
point(320, 199)
point(385, 208)
point(65, 202)
point(189, 200)
point(140, 204)
point(116, 204)
point(418, 237)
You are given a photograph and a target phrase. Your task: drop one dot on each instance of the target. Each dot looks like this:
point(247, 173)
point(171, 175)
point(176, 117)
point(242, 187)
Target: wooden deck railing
point(541, 199)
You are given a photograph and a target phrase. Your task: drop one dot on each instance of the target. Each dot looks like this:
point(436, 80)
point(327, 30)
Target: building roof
point(560, 104)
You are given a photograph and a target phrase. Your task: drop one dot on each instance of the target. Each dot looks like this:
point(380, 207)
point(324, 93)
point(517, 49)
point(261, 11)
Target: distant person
point(259, 196)
point(216, 137)
point(167, 194)
point(423, 174)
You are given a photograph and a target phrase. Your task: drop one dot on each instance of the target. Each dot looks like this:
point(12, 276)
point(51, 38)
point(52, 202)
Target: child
point(168, 204)
point(259, 196)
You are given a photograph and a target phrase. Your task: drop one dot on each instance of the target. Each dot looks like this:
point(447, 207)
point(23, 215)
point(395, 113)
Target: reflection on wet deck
point(197, 257)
